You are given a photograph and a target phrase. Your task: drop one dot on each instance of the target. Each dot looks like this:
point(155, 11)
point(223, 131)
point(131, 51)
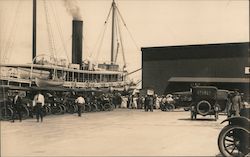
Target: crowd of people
point(148, 102)
point(141, 102)
point(116, 99)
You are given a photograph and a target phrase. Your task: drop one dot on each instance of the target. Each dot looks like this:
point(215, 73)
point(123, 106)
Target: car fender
point(238, 120)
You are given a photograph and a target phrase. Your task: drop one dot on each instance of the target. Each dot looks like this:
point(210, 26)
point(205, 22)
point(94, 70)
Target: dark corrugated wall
point(159, 64)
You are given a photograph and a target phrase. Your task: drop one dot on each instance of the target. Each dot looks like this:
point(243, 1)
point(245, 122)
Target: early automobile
point(204, 101)
point(234, 138)
point(182, 100)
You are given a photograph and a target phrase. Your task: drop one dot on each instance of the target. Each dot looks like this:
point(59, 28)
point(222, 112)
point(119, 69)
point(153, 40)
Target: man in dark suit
point(149, 103)
point(236, 103)
point(17, 107)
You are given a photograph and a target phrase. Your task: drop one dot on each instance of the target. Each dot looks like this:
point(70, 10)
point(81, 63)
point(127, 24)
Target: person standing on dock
point(39, 103)
point(149, 103)
point(236, 103)
point(80, 101)
point(17, 107)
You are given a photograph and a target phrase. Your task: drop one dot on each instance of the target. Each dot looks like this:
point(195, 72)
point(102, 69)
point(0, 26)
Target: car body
point(204, 101)
point(182, 99)
point(234, 138)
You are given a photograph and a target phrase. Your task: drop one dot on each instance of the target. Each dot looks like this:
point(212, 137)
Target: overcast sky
point(151, 23)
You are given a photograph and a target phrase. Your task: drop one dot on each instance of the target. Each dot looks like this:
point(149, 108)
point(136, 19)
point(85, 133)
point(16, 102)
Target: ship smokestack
point(77, 27)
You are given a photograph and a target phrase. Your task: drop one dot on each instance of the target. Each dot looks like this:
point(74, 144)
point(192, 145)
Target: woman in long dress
point(134, 104)
point(124, 102)
point(157, 102)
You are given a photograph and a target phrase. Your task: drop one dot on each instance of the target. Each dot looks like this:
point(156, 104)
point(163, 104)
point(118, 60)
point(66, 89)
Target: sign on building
point(247, 70)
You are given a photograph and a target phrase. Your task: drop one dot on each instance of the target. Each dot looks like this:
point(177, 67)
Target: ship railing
point(9, 79)
point(94, 84)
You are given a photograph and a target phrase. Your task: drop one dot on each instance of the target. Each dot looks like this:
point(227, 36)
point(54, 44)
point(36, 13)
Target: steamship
point(76, 75)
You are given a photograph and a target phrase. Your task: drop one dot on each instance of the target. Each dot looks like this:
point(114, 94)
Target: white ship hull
point(48, 83)
point(26, 73)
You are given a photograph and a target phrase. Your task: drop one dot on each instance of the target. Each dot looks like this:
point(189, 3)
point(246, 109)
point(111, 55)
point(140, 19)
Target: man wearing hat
point(80, 101)
point(236, 102)
point(17, 107)
point(39, 103)
point(149, 101)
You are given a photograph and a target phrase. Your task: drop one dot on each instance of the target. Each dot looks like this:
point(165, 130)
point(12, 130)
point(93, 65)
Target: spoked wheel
point(87, 108)
point(63, 109)
point(107, 107)
point(71, 109)
point(7, 113)
point(163, 107)
point(112, 107)
point(25, 112)
point(100, 107)
point(49, 109)
point(170, 107)
point(186, 108)
point(94, 108)
point(233, 141)
point(57, 110)
point(83, 108)
point(75, 108)
point(31, 111)
point(45, 110)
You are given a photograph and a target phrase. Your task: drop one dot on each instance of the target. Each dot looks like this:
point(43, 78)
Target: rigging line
point(54, 11)
point(101, 43)
point(101, 36)
point(130, 34)
point(50, 35)
point(137, 83)
point(86, 48)
point(108, 14)
point(97, 41)
point(101, 33)
point(117, 38)
point(134, 71)
point(11, 39)
point(2, 41)
point(8, 42)
point(52, 25)
point(123, 55)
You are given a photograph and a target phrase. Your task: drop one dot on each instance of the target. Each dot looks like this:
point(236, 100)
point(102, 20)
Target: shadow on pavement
point(201, 119)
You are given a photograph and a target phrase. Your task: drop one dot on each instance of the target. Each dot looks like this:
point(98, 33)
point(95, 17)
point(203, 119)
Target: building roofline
point(197, 45)
point(226, 50)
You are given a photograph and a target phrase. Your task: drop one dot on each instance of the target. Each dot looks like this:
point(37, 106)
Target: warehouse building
point(177, 68)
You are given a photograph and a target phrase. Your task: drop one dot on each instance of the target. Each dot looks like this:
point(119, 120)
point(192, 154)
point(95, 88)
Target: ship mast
point(112, 32)
point(34, 32)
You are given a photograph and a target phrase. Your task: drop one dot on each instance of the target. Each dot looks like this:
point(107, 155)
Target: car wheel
point(169, 107)
point(233, 141)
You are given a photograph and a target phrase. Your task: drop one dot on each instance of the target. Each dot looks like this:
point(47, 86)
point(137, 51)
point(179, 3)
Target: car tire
point(224, 136)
